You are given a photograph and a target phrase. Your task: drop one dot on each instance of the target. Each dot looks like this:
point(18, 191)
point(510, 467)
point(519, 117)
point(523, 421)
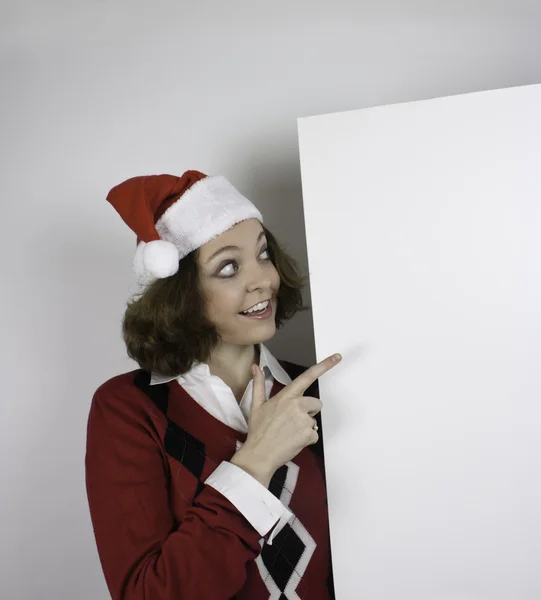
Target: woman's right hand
point(279, 428)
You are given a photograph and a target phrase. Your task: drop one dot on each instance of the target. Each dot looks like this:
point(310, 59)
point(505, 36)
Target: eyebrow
point(225, 248)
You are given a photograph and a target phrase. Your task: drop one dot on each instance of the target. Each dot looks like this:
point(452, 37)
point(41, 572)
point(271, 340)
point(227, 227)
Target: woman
point(205, 479)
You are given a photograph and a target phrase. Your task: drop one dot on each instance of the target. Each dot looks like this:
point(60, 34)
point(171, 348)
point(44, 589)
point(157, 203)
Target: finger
point(309, 405)
point(299, 385)
point(258, 388)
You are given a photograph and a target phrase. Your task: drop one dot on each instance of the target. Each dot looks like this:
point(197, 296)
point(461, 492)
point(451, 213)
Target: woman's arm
point(142, 552)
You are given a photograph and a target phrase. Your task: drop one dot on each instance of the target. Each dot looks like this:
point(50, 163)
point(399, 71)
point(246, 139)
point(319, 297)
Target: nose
point(259, 277)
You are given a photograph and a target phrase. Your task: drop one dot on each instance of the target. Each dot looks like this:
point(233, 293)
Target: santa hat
point(172, 216)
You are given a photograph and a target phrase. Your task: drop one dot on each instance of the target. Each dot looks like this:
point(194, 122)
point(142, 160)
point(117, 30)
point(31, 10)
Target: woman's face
point(236, 279)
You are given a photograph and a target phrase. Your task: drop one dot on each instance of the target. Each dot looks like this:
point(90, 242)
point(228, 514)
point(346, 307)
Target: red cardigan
point(163, 534)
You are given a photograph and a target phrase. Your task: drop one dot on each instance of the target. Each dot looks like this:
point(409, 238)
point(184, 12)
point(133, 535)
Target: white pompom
point(138, 266)
point(160, 258)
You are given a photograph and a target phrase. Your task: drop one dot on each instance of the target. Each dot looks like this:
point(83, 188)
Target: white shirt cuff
point(258, 505)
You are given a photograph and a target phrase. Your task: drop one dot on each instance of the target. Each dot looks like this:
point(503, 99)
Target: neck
point(233, 364)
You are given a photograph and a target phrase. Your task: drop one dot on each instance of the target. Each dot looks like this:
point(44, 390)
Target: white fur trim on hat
point(207, 209)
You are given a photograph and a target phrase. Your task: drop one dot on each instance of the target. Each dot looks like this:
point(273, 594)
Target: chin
point(265, 338)
point(250, 338)
point(261, 337)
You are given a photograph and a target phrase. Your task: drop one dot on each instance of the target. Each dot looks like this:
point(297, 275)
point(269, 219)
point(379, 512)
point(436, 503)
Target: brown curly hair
point(164, 327)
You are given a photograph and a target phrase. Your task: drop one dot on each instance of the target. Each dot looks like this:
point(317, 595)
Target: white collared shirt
point(258, 505)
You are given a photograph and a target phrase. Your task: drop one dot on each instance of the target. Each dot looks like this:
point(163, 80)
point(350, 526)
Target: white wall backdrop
point(95, 92)
point(429, 282)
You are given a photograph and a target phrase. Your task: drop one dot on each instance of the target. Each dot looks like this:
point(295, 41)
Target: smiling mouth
point(269, 301)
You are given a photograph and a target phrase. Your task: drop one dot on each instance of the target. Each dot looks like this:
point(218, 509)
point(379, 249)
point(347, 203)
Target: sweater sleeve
point(144, 554)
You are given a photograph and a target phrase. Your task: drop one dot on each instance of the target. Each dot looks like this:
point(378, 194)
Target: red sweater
point(163, 534)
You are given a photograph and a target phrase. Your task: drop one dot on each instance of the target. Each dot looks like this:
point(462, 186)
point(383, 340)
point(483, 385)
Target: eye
point(234, 262)
point(228, 264)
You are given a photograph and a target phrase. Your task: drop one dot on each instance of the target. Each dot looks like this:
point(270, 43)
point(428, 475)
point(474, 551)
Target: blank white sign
point(423, 227)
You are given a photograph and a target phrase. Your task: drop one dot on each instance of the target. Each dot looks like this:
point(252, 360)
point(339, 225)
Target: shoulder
point(121, 384)
point(127, 393)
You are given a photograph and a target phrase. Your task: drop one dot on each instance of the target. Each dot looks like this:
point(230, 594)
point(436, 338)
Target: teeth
point(257, 307)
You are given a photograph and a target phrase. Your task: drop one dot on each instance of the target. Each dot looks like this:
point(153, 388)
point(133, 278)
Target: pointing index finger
point(301, 383)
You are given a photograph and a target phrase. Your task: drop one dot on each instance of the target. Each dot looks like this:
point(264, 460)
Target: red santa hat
point(172, 216)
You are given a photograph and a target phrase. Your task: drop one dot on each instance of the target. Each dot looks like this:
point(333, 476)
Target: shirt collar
point(266, 359)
